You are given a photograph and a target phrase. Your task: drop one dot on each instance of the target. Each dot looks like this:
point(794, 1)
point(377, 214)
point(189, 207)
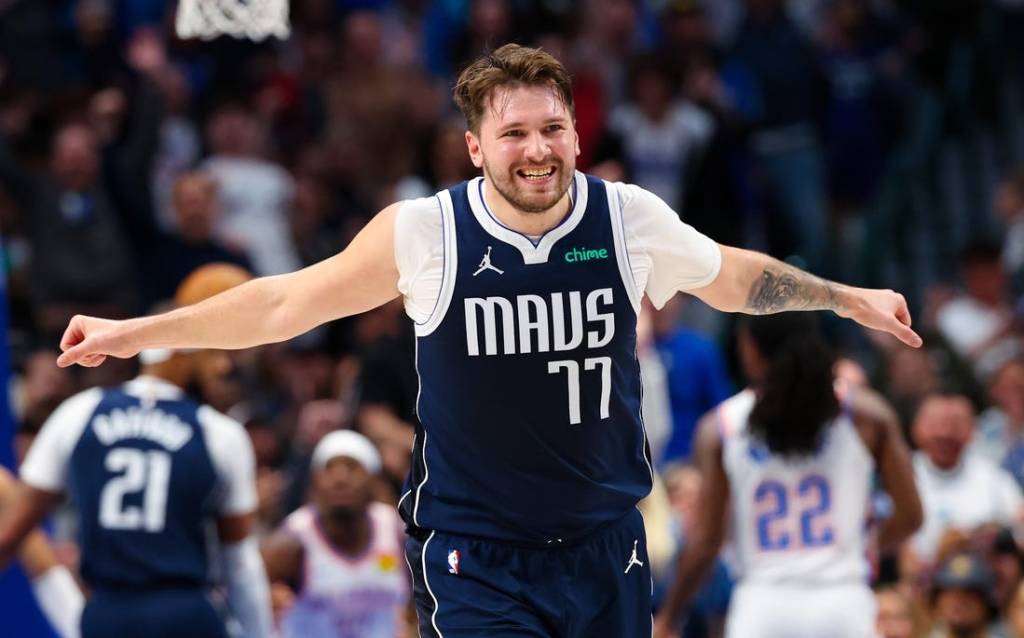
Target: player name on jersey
point(532, 323)
point(151, 424)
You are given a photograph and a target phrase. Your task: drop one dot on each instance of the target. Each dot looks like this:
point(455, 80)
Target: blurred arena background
point(878, 142)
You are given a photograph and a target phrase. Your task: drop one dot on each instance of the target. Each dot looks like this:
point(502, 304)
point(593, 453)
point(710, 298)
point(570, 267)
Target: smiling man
point(531, 455)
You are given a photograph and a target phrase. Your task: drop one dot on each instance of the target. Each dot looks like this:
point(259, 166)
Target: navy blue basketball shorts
point(599, 587)
point(167, 613)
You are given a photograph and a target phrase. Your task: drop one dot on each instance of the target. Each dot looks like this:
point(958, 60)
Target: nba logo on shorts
point(453, 561)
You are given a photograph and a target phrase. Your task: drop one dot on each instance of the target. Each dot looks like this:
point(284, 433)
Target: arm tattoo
point(782, 287)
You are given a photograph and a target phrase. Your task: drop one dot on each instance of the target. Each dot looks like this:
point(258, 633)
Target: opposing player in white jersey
point(341, 554)
point(788, 468)
point(151, 473)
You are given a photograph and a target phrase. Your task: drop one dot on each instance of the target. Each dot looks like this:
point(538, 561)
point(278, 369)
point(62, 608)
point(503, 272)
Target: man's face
point(527, 146)
point(962, 610)
point(942, 429)
point(75, 160)
point(986, 281)
point(195, 200)
point(895, 619)
point(342, 485)
point(215, 373)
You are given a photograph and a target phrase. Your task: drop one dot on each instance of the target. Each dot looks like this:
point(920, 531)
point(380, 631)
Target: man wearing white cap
point(341, 553)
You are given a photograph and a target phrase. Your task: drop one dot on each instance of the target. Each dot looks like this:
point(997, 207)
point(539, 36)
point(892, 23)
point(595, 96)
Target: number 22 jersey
point(796, 520)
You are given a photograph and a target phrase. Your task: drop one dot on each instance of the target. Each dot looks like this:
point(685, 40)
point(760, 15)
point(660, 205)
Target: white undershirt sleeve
point(666, 255)
point(233, 458)
point(419, 255)
point(60, 600)
point(46, 464)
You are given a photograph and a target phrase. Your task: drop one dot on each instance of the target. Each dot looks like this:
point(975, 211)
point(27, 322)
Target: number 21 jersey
point(147, 469)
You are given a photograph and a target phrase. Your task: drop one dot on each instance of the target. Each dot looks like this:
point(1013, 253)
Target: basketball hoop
point(253, 19)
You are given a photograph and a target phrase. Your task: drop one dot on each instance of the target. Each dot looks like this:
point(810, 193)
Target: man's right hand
point(88, 341)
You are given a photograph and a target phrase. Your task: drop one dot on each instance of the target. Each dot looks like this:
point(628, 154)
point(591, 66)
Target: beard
point(508, 185)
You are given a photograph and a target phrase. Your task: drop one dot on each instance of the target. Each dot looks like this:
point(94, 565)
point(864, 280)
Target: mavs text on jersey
point(530, 438)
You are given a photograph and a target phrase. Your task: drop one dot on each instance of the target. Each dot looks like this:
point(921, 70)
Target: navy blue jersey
point(139, 466)
point(140, 479)
point(529, 383)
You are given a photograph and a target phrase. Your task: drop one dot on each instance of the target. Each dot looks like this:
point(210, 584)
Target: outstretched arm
point(264, 310)
point(757, 284)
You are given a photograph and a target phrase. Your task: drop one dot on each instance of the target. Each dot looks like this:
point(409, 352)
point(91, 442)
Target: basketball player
point(790, 467)
point(149, 471)
point(531, 455)
point(54, 587)
point(342, 553)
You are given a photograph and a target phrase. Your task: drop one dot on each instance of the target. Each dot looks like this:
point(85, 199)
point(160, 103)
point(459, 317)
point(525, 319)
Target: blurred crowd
point(878, 142)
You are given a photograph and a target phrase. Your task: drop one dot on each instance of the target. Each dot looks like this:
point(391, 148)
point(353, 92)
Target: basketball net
point(253, 19)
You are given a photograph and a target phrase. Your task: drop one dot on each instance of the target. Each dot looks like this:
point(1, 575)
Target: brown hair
point(509, 65)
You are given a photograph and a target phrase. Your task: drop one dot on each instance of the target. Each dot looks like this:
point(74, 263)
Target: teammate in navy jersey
point(524, 285)
point(151, 472)
point(787, 468)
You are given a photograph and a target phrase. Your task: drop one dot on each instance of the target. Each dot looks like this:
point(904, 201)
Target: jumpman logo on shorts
point(633, 560)
point(485, 264)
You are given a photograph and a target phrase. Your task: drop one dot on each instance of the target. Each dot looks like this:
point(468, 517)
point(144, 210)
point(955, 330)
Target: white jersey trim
point(532, 254)
point(426, 476)
point(423, 559)
point(449, 268)
point(621, 249)
point(414, 437)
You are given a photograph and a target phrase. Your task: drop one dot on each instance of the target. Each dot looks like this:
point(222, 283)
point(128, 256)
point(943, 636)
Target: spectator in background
point(706, 615)
point(785, 139)
point(179, 143)
point(962, 599)
point(896, 615)
point(697, 377)
point(980, 323)
point(388, 386)
point(191, 244)
point(81, 256)
point(1000, 436)
point(851, 56)
point(958, 490)
point(316, 232)
point(342, 554)
point(1006, 563)
point(656, 136)
point(254, 192)
point(1009, 204)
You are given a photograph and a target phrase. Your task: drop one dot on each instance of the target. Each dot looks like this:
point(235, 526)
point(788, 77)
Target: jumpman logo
point(633, 560)
point(485, 264)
